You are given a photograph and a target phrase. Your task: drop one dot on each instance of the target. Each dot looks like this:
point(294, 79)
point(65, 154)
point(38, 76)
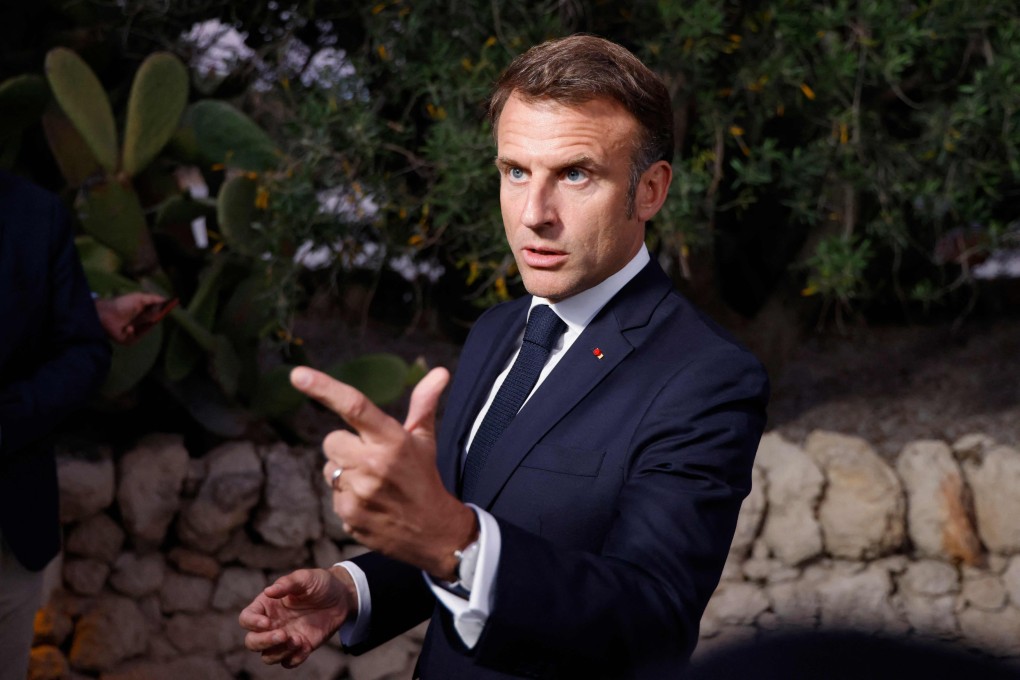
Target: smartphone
point(152, 315)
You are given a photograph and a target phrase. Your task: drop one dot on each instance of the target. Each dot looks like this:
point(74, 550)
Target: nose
point(538, 210)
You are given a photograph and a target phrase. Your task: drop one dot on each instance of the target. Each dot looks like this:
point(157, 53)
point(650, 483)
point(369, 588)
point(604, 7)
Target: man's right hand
point(291, 618)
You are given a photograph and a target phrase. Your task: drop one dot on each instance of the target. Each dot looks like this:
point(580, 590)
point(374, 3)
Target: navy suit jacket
point(53, 355)
point(616, 488)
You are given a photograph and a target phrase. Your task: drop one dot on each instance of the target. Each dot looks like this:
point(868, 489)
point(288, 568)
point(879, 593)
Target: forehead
point(600, 126)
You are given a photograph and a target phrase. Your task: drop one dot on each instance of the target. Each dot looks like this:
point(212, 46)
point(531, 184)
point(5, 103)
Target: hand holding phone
point(151, 315)
point(128, 317)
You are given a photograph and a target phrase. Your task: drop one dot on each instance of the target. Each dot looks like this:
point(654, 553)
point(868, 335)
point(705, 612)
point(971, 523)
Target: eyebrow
point(579, 161)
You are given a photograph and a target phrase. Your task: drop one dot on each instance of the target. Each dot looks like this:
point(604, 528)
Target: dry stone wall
point(163, 548)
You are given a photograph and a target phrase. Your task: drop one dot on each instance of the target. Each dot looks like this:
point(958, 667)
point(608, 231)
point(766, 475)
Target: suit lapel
point(577, 374)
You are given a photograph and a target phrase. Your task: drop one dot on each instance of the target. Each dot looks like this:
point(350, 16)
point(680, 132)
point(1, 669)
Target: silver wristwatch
point(467, 562)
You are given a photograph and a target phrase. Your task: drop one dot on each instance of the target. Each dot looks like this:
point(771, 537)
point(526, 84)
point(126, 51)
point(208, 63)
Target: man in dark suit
point(53, 355)
point(582, 534)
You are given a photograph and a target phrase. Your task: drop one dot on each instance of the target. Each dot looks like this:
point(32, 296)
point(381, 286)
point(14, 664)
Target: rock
point(290, 513)
point(331, 522)
point(737, 603)
point(863, 513)
point(52, 626)
point(1011, 580)
point(393, 660)
point(112, 631)
point(225, 499)
point(860, 600)
point(184, 593)
point(998, 632)
point(98, 537)
point(47, 662)
point(930, 578)
point(794, 603)
point(206, 633)
point(972, 445)
point(261, 556)
point(85, 576)
point(752, 512)
point(86, 483)
point(985, 592)
point(136, 575)
point(237, 587)
point(195, 668)
point(151, 476)
point(928, 591)
point(940, 514)
point(325, 553)
point(994, 478)
point(795, 484)
point(325, 663)
point(194, 563)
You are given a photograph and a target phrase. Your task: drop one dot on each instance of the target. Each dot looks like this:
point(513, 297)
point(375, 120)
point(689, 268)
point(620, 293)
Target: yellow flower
point(378, 8)
point(262, 198)
point(736, 130)
point(809, 291)
point(501, 291)
point(473, 271)
point(808, 92)
point(383, 52)
point(416, 240)
point(490, 42)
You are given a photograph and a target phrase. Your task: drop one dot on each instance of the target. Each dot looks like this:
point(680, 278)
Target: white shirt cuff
point(354, 631)
point(470, 615)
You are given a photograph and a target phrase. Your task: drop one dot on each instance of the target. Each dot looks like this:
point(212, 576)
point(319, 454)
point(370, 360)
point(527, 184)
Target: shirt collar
point(577, 310)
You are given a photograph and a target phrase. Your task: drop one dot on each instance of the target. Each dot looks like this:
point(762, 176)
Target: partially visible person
point(121, 315)
point(53, 356)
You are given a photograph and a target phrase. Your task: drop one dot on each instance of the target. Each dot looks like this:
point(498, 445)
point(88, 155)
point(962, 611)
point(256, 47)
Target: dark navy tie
point(543, 330)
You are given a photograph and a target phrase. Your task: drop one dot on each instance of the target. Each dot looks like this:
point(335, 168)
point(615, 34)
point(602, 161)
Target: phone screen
point(153, 314)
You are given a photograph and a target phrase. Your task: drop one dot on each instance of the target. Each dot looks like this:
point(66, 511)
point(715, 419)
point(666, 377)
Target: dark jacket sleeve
point(60, 354)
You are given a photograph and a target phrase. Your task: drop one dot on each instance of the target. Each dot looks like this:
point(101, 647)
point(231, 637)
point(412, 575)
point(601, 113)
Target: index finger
point(343, 400)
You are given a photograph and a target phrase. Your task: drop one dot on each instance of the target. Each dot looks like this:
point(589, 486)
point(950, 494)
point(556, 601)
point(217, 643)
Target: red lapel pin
point(598, 353)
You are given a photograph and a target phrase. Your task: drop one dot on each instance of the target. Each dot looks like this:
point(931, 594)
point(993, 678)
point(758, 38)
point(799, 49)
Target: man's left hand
point(390, 495)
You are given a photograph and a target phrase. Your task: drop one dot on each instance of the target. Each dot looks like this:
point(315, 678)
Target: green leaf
point(22, 100)
point(112, 213)
point(235, 209)
point(83, 99)
point(222, 134)
point(225, 365)
point(158, 96)
point(131, 363)
point(274, 396)
point(94, 255)
point(381, 377)
point(76, 162)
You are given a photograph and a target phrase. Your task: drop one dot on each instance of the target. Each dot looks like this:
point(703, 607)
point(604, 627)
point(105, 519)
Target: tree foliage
point(864, 154)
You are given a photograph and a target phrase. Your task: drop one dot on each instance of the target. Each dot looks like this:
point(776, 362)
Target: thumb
point(421, 413)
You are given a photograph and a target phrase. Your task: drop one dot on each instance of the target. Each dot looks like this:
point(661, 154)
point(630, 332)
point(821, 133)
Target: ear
point(652, 189)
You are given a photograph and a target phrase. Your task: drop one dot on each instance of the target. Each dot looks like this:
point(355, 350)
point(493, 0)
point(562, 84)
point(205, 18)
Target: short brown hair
point(580, 68)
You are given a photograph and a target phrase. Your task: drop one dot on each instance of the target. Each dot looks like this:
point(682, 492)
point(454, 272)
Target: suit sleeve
point(70, 355)
point(563, 613)
point(400, 599)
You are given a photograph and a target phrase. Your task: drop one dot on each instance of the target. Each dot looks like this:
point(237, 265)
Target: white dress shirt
point(470, 614)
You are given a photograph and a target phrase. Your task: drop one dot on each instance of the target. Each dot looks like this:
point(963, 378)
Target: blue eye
point(574, 175)
point(515, 173)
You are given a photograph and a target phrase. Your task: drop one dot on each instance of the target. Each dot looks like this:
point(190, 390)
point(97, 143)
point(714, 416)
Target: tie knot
point(544, 327)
